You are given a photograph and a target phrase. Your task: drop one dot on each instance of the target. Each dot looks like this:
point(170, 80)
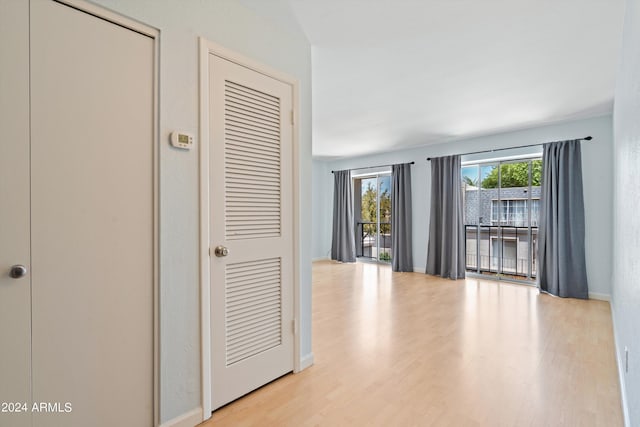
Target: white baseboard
point(599, 296)
point(306, 361)
point(189, 419)
point(623, 391)
point(322, 258)
point(419, 269)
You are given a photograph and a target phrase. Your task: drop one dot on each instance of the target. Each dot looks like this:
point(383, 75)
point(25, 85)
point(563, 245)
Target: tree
point(515, 175)
point(369, 203)
point(370, 209)
point(385, 212)
point(385, 206)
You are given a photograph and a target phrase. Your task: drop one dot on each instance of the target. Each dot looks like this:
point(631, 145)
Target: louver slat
point(249, 161)
point(253, 308)
point(257, 189)
point(250, 123)
point(252, 163)
point(248, 114)
point(254, 146)
point(251, 94)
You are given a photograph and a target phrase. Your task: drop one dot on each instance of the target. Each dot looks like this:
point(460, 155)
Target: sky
point(472, 171)
point(385, 184)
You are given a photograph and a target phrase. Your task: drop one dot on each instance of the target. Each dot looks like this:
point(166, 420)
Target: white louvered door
point(251, 209)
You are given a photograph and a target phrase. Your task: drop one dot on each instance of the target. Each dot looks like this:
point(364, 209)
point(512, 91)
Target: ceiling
point(392, 74)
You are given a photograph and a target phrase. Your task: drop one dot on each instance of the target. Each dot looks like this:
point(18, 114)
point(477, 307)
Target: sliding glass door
point(372, 209)
point(502, 199)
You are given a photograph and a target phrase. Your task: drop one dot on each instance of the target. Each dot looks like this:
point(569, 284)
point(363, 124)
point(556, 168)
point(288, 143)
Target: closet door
point(15, 293)
point(92, 218)
point(251, 205)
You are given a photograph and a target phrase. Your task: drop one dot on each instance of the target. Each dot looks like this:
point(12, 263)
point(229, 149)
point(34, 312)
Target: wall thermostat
point(181, 140)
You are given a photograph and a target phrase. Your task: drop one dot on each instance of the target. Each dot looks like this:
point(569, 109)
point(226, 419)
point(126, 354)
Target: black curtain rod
point(586, 138)
point(379, 166)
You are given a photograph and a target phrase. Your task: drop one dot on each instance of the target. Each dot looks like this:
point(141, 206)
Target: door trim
point(207, 48)
point(154, 34)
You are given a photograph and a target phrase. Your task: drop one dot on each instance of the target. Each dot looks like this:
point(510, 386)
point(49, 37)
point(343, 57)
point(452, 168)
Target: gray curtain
point(401, 252)
point(445, 252)
point(561, 263)
point(343, 245)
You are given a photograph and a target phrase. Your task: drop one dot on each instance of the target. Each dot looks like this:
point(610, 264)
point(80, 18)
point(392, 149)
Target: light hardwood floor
point(406, 349)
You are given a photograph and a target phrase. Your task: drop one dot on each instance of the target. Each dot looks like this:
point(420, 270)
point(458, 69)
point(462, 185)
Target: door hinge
point(294, 326)
point(292, 120)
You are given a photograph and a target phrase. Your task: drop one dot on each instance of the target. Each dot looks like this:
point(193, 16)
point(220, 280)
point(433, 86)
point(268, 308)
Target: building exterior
point(501, 230)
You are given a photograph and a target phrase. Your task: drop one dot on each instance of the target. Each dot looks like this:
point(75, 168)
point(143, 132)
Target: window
point(513, 212)
point(372, 208)
point(501, 208)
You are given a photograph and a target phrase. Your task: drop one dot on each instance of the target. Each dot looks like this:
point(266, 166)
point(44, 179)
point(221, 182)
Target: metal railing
point(366, 246)
point(506, 250)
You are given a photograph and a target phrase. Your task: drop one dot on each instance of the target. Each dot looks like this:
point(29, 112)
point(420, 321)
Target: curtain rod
point(586, 138)
point(379, 166)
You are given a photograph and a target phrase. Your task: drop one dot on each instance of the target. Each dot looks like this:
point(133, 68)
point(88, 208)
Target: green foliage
point(369, 203)
point(536, 173)
point(369, 211)
point(385, 206)
point(385, 256)
point(515, 175)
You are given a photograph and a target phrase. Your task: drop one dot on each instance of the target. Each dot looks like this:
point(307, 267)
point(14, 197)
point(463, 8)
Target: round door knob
point(17, 271)
point(221, 251)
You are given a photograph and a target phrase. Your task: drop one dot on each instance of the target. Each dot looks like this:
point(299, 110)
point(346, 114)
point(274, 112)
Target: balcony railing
point(506, 250)
point(366, 240)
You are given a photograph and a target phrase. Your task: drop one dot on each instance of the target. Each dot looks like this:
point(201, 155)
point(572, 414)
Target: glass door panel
point(384, 218)
point(372, 207)
point(490, 249)
point(488, 193)
point(470, 180)
point(513, 207)
point(502, 201)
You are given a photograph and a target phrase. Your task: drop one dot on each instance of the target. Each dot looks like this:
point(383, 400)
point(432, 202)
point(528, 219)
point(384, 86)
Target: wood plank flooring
point(407, 349)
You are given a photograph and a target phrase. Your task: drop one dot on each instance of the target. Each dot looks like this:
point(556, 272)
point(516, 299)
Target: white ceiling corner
point(391, 74)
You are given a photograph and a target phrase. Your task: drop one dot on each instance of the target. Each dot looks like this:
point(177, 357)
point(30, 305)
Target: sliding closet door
point(92, 218)
point(15, 293)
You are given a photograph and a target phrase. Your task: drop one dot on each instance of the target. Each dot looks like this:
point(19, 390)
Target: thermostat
point(181, 140)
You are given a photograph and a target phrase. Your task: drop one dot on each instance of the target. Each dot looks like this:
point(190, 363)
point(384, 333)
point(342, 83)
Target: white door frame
point(153, 33)
point(207, 48)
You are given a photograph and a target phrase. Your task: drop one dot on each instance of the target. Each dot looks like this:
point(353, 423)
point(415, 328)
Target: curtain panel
point(562, 269)
point(343, 245)
point(401, 224)
point(445, 250)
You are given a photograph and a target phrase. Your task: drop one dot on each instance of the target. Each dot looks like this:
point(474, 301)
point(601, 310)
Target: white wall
point(322, 208)
point(597, 177)
point(233, 26)
point(626, 213)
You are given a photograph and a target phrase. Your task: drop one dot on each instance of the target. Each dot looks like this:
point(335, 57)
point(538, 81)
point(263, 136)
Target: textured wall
point(626, 237)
